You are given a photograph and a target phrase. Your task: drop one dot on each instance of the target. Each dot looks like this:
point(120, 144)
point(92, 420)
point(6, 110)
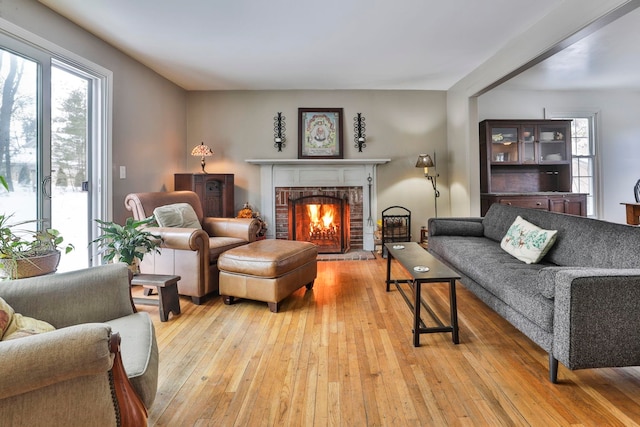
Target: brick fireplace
point(296, 206)
point(353, 179)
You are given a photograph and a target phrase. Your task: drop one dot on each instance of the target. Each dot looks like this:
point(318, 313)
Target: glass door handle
point(46, 186)
point(85, 185)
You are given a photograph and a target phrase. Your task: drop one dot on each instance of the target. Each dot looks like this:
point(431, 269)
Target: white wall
point(149, 112)
point(152, 138)
point(238, 125)
point(618, 132)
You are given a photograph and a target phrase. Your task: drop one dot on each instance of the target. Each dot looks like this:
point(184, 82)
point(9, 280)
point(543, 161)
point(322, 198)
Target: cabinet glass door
point(528, 144)
point(553, 146)
point(504, 144)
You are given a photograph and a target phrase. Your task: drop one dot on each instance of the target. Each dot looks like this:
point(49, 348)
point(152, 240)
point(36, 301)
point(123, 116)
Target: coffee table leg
point(388, 271)
point(417, 285)
point(454, 311)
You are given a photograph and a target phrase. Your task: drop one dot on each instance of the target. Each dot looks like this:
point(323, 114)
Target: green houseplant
point(26, 253)
point(127, 243)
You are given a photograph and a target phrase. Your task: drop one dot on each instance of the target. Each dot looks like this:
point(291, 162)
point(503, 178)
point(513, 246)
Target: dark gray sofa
point(580, 303)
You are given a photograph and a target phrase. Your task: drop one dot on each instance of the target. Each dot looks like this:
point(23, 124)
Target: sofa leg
point(273, 306)
point(310, 285)
point(197, 300)
point(553, 369)
point(228, 299)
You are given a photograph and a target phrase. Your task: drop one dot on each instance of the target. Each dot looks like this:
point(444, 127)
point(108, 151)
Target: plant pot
point(30, 267)
point(134, 267)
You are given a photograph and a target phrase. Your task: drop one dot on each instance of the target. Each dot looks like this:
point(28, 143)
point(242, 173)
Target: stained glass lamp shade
point(202, 151)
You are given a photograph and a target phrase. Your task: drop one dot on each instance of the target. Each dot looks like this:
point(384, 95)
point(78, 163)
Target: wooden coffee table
point(411, 255)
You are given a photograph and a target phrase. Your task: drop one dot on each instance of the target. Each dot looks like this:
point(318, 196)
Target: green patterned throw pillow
point(527, 242)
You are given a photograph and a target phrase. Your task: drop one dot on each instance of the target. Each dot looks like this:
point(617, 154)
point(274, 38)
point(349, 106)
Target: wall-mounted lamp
point(202, 151)
point(278, 131)
point(425, 161)
point(358, 128)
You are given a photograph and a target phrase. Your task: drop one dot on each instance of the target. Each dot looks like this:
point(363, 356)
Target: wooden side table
point(167, 286)
point(633, 213)
point(216, 191)
point(424, 237)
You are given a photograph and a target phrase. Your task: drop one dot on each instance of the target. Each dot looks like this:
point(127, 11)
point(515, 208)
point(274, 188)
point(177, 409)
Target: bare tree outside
point(18, 139)
point(12, 135)
point(69, 140)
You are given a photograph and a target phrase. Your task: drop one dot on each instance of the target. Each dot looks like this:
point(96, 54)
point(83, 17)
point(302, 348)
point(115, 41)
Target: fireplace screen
point(321, 220)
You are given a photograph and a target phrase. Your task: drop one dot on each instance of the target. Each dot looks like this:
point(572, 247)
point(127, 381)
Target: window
point(583, 156)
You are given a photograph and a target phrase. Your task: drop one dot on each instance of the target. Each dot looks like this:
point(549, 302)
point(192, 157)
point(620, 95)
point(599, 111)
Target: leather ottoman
point(267, 270)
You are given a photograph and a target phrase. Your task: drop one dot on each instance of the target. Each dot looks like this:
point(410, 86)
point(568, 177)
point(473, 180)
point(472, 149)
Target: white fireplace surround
point(320, 173)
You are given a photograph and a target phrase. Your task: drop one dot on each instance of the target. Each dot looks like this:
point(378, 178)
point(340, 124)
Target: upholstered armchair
point(191, 253)
point(98, 367)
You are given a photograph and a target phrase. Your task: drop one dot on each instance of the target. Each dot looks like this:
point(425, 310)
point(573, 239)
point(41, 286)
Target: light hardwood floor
point(341, 355)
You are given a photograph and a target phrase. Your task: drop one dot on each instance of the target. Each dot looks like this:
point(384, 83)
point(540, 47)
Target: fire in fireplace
point(321, 220)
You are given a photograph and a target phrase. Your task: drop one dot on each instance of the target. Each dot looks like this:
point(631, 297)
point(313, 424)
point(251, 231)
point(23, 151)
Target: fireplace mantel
point(320, 172)
point(313, 162)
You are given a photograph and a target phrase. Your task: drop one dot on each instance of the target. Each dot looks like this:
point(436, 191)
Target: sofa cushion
point(177, 215)
point(14, 325)
point(584, 242)
point(6, 316)
point(527, 242)
point(23, 326)
point(139, 351)
point(456, 227)
point(508, 279)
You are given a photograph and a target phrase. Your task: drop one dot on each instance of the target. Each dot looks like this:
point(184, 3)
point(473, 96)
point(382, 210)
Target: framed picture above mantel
point(320, 133)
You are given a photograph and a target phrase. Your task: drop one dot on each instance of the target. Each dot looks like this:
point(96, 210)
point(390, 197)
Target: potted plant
point(127, 243)
point(27, 253)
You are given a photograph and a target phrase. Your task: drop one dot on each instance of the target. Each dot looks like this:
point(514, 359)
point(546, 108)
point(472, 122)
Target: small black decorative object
point(359, 127)
point(636, 191)
point(278, 131)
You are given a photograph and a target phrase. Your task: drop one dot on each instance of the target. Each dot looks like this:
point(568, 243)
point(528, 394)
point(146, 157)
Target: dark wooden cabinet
point(527, 163)
point(216, 192)
point(569, 203)
point(572, 204)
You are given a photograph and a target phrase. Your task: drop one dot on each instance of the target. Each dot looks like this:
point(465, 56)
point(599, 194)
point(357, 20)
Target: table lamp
point(202, 151)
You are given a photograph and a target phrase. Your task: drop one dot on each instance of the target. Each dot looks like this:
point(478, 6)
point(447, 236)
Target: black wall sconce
point(358, 128)
point(278, 131)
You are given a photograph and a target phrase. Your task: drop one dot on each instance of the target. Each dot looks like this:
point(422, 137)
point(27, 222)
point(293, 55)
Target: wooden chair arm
point(132, 411)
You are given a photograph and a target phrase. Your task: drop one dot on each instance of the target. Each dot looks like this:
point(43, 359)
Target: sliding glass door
point(50, 131)
point(70, 149)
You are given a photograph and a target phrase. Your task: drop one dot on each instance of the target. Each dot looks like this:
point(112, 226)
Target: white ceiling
point(607, 59)
point(343, 44)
